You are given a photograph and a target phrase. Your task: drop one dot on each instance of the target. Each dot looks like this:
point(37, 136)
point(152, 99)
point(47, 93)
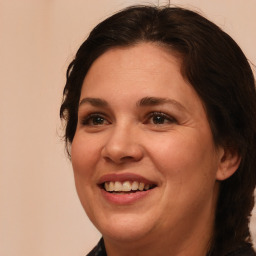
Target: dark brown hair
point(219, 72)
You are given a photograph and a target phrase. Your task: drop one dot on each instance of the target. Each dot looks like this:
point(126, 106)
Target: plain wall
point(40, 213)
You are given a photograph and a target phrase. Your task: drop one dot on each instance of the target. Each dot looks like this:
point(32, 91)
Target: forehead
point(145, 70)
point(149, 53)
point(139, 63)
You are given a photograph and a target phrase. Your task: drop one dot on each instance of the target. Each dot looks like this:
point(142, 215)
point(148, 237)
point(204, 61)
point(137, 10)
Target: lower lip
point(125, 199)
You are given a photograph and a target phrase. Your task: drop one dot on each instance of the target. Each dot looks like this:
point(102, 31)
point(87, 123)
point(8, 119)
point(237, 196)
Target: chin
point(127, 228)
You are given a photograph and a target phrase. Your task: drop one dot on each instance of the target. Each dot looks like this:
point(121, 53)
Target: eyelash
point(161, 115)
point(88, 120)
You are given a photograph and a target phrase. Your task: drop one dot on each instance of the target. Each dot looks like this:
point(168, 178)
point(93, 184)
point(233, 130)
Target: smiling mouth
point(125, 187)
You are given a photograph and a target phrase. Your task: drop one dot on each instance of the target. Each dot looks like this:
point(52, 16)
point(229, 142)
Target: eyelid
point(162, 114)
point(86, 118)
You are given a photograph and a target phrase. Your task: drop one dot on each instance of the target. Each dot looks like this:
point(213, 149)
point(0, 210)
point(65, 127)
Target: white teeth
point(135, 185)
point(111, 186)
point(126, 186)
point(141, 186)
point(118, 186)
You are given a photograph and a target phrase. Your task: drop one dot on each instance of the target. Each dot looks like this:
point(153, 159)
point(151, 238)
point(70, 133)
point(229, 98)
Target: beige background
point(39, 210)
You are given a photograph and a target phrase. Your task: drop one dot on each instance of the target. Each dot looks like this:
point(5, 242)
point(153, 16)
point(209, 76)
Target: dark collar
point(99, 249)
point(245, 250)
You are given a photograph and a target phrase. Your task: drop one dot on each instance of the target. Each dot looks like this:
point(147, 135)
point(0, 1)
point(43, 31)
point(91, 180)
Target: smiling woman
point(160, 110)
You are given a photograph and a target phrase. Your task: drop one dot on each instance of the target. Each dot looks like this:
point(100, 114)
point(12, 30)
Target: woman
point(160, 111)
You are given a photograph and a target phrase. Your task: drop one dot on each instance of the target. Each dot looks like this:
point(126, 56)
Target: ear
point(228, 163)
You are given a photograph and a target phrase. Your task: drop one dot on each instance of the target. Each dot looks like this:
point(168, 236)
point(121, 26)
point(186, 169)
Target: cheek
point(188, 170)
point(186, 158)
point(83, 159)
point(83, 155)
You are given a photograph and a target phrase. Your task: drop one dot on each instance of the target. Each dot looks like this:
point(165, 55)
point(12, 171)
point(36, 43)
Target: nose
point(122, 146)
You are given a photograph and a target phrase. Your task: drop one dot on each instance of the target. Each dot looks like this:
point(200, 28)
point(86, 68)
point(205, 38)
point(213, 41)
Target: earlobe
point(228, 164)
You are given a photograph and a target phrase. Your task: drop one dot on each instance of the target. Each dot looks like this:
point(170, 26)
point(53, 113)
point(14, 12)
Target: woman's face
point(143, 135)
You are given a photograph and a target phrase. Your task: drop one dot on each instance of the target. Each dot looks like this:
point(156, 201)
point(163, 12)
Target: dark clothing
point(244, 251)
point(99, 250)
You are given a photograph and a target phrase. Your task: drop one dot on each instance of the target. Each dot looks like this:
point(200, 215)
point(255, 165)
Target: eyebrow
point(155, 101)
point(96, 102)
point(144, 102)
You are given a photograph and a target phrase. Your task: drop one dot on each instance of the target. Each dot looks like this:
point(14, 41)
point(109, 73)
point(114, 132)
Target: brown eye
point(97, 120)
point(159, 118)
point(94, 120)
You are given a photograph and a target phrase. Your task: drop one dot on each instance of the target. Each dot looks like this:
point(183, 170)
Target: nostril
point(119, 159)
point(126, 158)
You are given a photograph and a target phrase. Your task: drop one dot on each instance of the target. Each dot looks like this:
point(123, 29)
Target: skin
point(176, 151)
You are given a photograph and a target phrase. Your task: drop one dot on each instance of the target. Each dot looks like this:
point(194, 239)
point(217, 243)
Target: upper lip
point(122, 177)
